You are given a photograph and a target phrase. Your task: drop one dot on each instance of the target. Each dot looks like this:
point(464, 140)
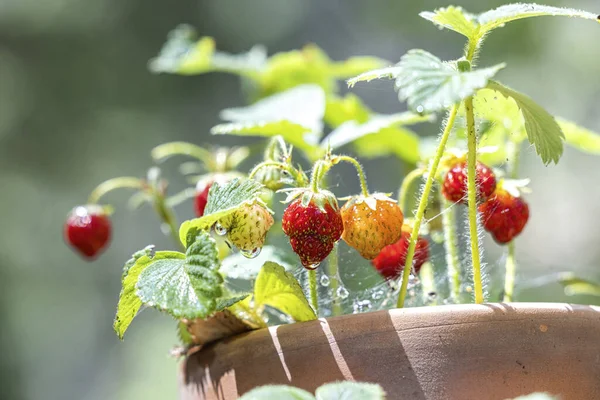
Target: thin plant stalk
point(451, 247)
point(511, 264)
point(423, 204)
point(472, 199)
point(332, 271)
point(312, 288)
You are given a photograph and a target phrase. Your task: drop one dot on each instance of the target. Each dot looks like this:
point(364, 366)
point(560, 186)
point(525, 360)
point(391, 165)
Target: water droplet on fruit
point(220, 229)
point(342, 292)
point(325, 281)
point(361, 306)
point(251, 253)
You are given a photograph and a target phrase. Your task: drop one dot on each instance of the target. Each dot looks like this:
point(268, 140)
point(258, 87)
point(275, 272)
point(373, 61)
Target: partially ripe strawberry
point(313, 229)
point(390, 262)
point(454, 187)
point(88, 230)
point(504, 215)
point(247, 227)
point(371, 223)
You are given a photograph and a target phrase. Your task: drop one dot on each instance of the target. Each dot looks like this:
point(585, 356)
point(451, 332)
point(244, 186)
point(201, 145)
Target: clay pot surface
point(462, 352)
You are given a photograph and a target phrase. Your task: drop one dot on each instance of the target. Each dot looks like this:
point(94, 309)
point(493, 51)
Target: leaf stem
point(407, 182)
point(359, 169)
point(166, 150)
point(124, 182)
point(312, 289)
point(511, 264)
point(451, 247)
point(472, 199)
point(423, 203)
point(167, 217)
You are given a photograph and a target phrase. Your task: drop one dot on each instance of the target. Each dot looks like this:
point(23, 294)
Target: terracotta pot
point(491, 351)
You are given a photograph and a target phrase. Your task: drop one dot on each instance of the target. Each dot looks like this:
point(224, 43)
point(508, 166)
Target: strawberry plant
point(245, 262)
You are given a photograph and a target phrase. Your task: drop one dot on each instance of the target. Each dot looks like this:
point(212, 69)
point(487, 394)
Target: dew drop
point(342, 292)
point(165, 228)
point(251, 253)
point(361, 306)
point(325, 281)
point(312, 266)
point(220, 229)
point(420, 109)
point(432, 295)
point(378, 294)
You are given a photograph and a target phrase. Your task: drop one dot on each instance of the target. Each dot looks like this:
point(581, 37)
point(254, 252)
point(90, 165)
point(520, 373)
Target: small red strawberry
point(247, 228)
point(390, 262)
point(313, 228)
point(454, 187)
point(371, 223)
point(88, 230)
point(504, 215)
point(201, 197)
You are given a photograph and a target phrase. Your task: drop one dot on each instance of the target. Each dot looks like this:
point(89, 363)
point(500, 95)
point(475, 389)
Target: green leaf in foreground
point(185, 287)
point(129, 302)
point(475, 27)
point(580, 138)
point(279, 392)
point(223, 199)
point(295, 114)
point(279, 289)
point(542, 129)
point(350, 391)
point(430, 85)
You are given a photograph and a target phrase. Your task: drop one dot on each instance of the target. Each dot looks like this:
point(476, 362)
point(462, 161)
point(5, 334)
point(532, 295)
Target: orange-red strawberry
point(371, 223)
point(454, 187)
point(313, 228)
point(88, 230)
point(504, 215)
point(390, 262)
point(247, 227)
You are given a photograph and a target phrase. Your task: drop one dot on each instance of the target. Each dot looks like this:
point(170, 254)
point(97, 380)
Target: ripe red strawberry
point(247, 227)
point(504, 215)
point(390, 262)
point(371, 223)
point(314, 229)
point(88, 230)
point(454, 187)
point(201, 197)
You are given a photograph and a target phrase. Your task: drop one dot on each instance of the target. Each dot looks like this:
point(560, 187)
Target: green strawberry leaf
point(430, 85)
point(237, 266)
point(350, 391)
point(542, 129)
point(279, 392)
point(295, 114)
point(223, 199)
point(475, 27)
point(279, 289)
point(578, 286)
point(228, 301)
point(580, 138)
point(354, 66)
point(185, 287)
point(129, 301)
point(388, 72)
point(380, 135)
point(453, 18)
point(347, 108)
point(184, 54)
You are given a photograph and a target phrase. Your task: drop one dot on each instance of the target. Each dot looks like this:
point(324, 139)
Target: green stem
point(472, 199)
point(312, 289)
point(167, 216)
point(332, 271)
point(297, 175)
point(451, 247)
point(407, 182)
point(359, 170)
point(423, 203)
point(316, 176)
point(124, 182)
point(511, 264)
point(166, 150)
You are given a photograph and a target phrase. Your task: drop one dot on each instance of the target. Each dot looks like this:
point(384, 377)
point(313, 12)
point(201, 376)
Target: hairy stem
point(312, 289)
point(511, 264)
point(359, 170)
point(124, 182)
point(423, 204)
point(451, 246)
point(332, 271)
point(472, 199)
point(167, 217)
point(166, 150)
point(317, 175)
point(407, 182)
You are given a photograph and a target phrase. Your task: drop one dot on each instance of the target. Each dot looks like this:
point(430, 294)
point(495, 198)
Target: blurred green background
point(78, 106)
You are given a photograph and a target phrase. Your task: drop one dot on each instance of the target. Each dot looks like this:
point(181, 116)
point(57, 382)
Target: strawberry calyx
point(320, 198)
